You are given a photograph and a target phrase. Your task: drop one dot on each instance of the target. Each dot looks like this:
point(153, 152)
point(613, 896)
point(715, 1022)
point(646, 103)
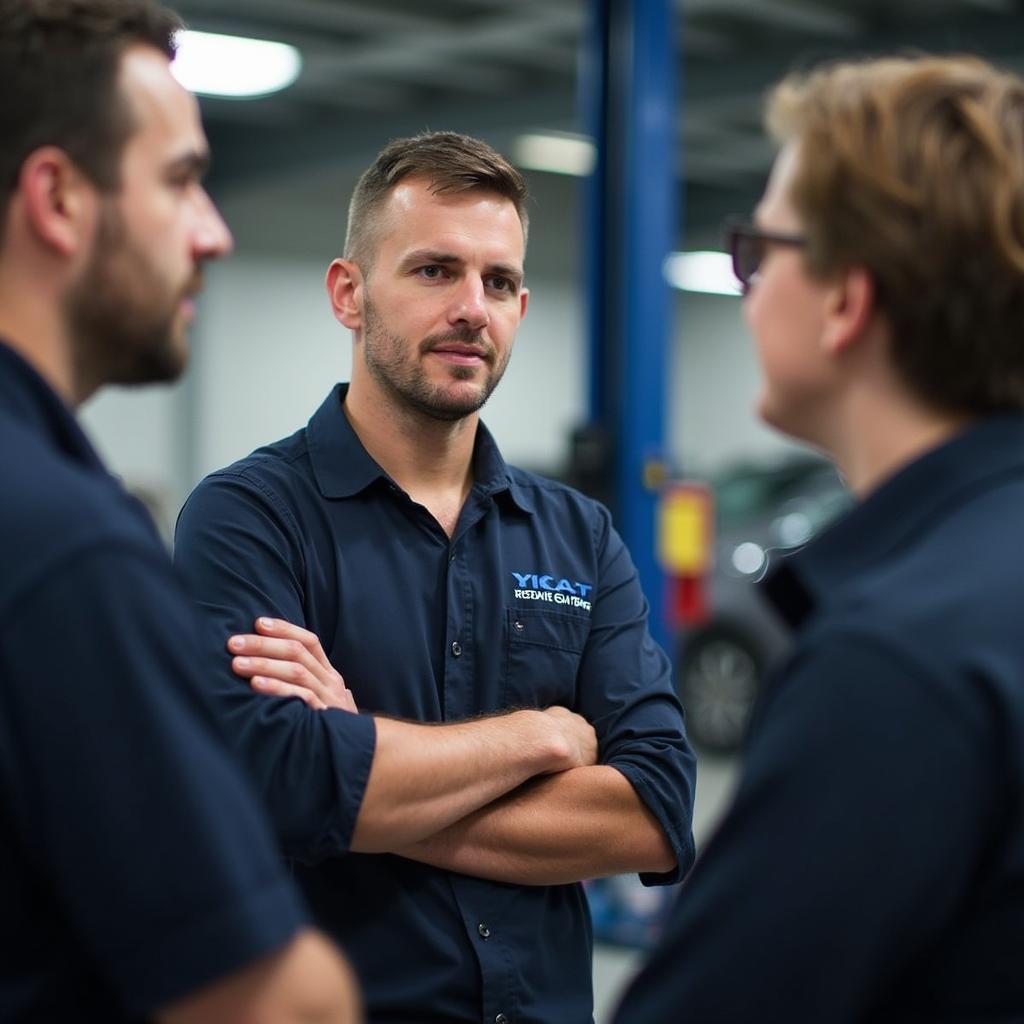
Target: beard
point(395, 364)
point(125, 319)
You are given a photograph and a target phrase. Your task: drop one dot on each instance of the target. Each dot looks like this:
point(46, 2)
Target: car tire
point(718, 680)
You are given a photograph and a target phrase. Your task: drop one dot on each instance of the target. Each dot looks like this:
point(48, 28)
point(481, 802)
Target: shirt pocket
point(542, 657)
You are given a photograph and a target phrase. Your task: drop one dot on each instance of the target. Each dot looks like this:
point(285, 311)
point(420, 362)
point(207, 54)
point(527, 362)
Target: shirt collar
point(492, 475)
point(895, 513)
point(341, 464)
point(27, 397)
point(343, 467)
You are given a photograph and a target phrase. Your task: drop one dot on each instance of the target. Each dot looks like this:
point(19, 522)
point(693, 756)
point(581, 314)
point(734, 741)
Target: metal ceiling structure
point(375, 69)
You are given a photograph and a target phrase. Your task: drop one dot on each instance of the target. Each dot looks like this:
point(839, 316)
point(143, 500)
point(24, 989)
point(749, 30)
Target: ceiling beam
point(515, 37)
point(792, 15)
point(344, 17)
point(243, 155)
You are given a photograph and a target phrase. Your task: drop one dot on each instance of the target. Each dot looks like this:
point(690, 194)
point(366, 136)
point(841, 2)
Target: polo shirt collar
point(27, 397)
point(341, 465)
point(896, 512)
point(344, 468)
point(492, 475)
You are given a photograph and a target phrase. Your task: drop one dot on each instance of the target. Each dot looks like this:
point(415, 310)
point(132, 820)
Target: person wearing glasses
point(871, 867)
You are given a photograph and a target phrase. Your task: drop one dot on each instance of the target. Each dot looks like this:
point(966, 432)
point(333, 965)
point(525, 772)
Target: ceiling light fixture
point(555, 152)
point(217, 65)
point(707, 272)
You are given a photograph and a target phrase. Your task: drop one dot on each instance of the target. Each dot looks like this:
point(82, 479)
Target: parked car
point(761, 511)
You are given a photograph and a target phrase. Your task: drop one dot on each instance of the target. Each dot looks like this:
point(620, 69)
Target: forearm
point(426, 777)
point(563, 828)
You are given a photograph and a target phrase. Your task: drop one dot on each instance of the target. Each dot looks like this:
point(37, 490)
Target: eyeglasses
point(747, 244)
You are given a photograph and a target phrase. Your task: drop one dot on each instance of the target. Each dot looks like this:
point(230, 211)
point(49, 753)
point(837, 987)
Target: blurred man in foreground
point(137, 875)
point(872, 865)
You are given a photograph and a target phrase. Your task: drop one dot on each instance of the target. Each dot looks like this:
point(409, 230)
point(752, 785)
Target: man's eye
point(184, 182)
point(503, 284)
point(431, 272)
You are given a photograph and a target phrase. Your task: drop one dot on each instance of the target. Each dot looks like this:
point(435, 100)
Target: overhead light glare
point(707, 272)
point(218, 65)
point(557, 153)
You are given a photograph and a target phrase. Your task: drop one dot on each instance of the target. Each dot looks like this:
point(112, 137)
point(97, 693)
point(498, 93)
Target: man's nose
point(469, 304)
point(212, 236)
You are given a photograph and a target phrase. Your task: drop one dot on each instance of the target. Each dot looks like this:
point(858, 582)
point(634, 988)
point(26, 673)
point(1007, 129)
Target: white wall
point(267, 352)
point(134, 430)
point(139, 433)
point(714, 385)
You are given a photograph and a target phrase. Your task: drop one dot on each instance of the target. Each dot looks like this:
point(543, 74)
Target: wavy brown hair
point(914, 168)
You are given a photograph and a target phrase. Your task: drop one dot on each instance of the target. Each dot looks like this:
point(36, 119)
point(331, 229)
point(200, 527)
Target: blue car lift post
point(627, 94)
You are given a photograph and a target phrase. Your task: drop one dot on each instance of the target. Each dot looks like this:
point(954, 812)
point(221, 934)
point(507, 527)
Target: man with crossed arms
point(445, 586)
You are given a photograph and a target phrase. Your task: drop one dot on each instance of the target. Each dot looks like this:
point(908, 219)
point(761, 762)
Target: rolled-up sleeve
point(240, 554)
point(625, 689)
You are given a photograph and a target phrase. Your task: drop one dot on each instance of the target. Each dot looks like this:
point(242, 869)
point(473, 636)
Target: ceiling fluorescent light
point(708, 272)
point(559, 153)
point(217, 65)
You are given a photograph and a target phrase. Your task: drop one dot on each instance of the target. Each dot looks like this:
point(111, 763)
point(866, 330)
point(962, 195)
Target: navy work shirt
point(872, 866)
point(135, 863)
point(534, 601)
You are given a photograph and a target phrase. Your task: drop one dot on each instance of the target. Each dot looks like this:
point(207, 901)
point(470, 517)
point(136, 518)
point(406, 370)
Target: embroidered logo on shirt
point(540, 587)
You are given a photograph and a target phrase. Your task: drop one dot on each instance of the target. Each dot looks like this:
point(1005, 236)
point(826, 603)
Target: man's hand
point(282, 660)
point(308, 981)
point(578, 735)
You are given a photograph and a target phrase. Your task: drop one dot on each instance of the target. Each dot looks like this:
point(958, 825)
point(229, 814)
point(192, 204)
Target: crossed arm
point(513, 798)
point(336, 782)
point(583, 823)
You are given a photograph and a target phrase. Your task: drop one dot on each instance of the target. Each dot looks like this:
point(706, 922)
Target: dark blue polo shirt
point(534, 601)
point(872, 866)
point(135, 864)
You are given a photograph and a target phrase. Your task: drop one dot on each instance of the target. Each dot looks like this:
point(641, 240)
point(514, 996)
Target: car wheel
point(719, 676)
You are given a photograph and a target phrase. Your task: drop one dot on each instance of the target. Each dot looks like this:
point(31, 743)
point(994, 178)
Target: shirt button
point(485, 932)
point(518, 626)
point(501, 1019)
point(456, 648)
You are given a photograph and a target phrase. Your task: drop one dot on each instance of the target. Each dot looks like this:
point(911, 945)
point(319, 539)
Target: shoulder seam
point(245, 474)
point(281, 507)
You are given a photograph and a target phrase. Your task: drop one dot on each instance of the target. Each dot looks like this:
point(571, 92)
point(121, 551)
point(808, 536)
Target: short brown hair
point(59, 62)
point(913, 167)
point(452, 163)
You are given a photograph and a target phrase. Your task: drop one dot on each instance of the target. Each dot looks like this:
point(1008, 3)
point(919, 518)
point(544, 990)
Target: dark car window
point(747, 493)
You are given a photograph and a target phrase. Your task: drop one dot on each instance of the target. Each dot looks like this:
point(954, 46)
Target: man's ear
point(59, 201)
point(345, 289)
point(849, 310)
